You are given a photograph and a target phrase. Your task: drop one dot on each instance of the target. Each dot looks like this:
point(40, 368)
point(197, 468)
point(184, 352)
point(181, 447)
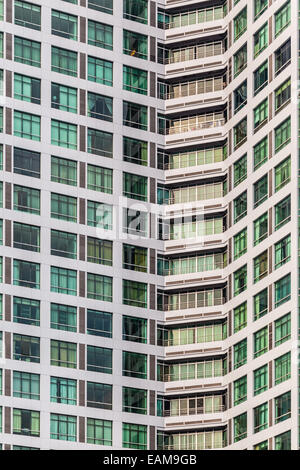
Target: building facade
point(149, 170)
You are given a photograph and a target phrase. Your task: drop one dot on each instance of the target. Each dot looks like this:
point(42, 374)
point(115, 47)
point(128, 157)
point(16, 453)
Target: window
point(135, 258)
point(261, 446)
point(282, 368)
point(26, 311)
point(260, 266)
point(282, 95)
point(135, 80)
point(106, 6)
point(282, 407)
point(134, 436)
point(135, 44)
point(27, 88)
point(100, 35)
point(27, 162)
point(63, 317)
point(63, 391)
point(100, 143)
point(283, 329)
point(260, 379)
point(282, 57)
point(63, 427)
point(28, 15)
point(135, 115)
point(63, 171)
point(240, 427)
point(282, 251)
point(282, 290)
point(260, 153)
point(63, 354)
point(260, 227)
point(100, 107)
point(260, 40)
point(63, 244)
point(260, 77)
point(63, 207)
point(260, 304)
point(63, 281)
point(64, 61)
point(26, 237)
point(283, 441)
point(240, 317)
point(64, 134)
point(134, 365)
point(26, 422)
point(260, 417)
point(99, 431)
point(26, 385)
point(240, 23)
point(25, 199)
point(134, 329)
point(282, 18)
point(99, 251)
point(100, 179)
point(259, 7)
point(26, 348)
point(26, 274)
point(99, 215)
point(260, 339)
point(135, 151)
point(99, 359)
point(136, 10)
point(134, 400)
point(135, 186)
point(135, 293)
point(240, 133)
point(64, 25)
point(64, 98)
point(99, 323)
point(135, 222)
point(27, 126)
point(240, 353)
point(240, 243)
point(100, 71)
point(282, 134)
point(282, 173)
point(282, 212)
point(27, 52)
point(99, 395)
point(260, 114)
point(240, 390)
point(99, 287)
point(240, 280)
point(240, 207)
point(240, 170)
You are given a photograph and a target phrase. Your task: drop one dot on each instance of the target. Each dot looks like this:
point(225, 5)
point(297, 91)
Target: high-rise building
point(149, 170)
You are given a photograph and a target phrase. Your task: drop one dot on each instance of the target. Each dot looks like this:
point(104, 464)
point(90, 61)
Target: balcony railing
point(184, 54)
point(190, 124)
point(190, 159)
point(196, 87)
point(195, 17)
point(190, 300)
point(196, 193)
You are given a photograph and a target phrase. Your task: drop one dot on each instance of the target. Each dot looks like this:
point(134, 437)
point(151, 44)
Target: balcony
point(190, 300)
point(193, 88)
point(192, 193)
point(184, 54)
point(190, 124)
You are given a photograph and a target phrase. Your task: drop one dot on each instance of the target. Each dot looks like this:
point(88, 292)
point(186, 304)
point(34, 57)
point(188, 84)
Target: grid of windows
point(77, 187)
